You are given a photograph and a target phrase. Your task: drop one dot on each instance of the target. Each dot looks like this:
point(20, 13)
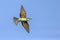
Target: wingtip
point(21, 6)
point(28, 31)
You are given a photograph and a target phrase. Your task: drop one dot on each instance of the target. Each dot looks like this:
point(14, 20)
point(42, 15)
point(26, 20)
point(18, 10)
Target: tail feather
point(15, 20)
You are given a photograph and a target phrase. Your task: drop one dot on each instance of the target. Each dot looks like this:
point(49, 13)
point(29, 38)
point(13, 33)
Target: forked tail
point(15, 20)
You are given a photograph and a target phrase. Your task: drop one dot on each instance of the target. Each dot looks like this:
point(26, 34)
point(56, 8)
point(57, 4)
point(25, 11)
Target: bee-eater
point(22, 19)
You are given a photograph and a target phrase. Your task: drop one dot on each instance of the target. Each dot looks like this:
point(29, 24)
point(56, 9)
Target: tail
point(15, 20)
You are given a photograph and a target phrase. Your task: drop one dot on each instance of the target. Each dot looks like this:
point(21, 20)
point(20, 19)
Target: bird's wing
point(22, 12)
point(25, 25)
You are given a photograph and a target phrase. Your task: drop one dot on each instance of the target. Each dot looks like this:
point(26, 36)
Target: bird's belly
point(22, 19)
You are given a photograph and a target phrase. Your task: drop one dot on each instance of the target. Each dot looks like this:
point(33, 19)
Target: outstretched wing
point(25, 25)
point(22, 12)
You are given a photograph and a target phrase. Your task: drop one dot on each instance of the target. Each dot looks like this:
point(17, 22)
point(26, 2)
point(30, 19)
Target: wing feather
point(22, 12)
point(26, 26)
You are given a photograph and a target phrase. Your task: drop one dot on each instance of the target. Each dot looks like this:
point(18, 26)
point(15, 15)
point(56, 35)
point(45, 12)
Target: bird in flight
point(22, 19)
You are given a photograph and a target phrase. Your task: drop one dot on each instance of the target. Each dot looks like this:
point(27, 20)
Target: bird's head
point(28, 19)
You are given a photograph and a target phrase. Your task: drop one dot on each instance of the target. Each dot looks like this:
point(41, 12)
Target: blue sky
point(44, 25)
